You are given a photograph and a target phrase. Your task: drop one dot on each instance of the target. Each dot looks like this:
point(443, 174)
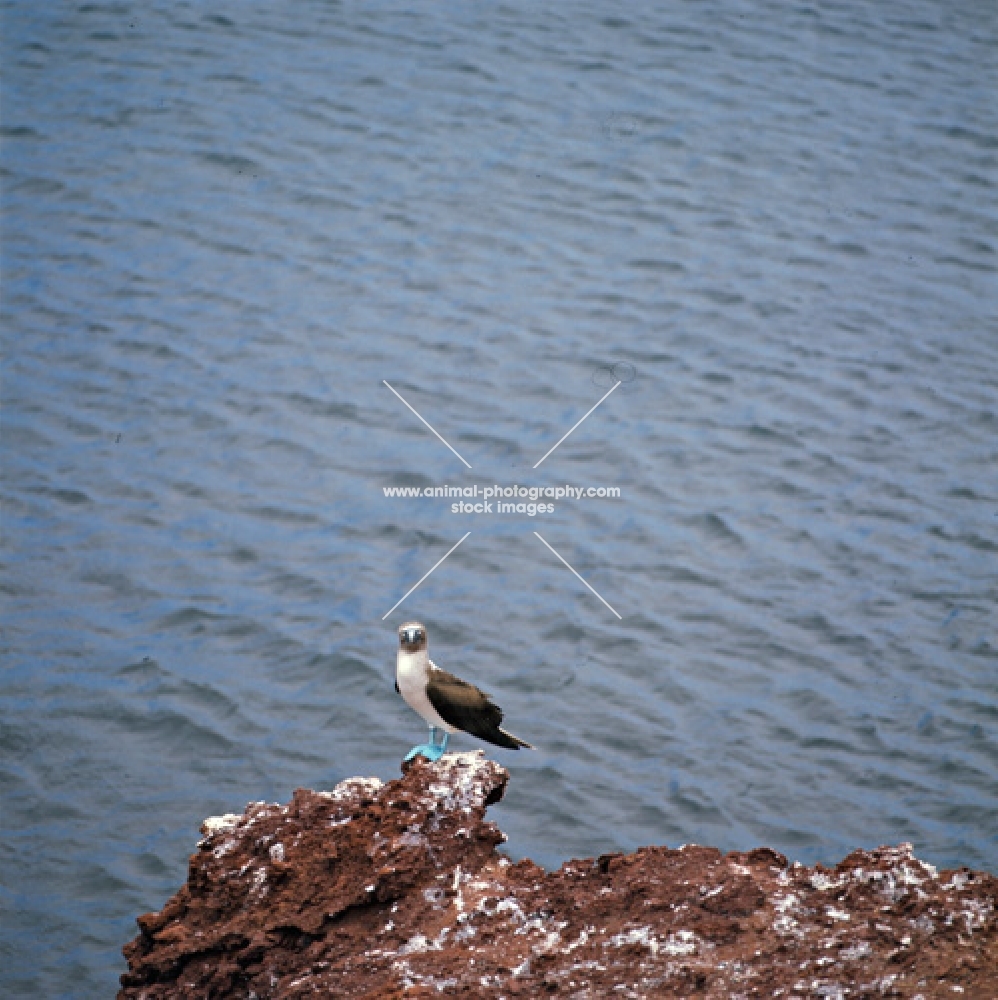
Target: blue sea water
point(225, 226)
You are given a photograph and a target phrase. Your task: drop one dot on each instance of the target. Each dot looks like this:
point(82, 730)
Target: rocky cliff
point(397, 890)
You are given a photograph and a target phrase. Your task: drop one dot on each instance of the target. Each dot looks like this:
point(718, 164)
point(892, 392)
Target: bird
point(446, 702)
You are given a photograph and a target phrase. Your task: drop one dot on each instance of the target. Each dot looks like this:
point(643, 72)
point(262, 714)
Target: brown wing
point(462, 705)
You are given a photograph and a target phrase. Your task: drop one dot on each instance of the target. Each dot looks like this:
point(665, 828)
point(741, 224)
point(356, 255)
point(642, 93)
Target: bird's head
point(412, 637)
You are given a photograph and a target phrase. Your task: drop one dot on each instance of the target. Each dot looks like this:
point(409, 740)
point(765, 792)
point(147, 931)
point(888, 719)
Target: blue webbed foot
point(431, 750)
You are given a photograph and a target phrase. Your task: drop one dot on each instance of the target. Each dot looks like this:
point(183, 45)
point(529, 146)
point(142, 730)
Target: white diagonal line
point(408, 592)
point(540, 463)
point(593, 590)
point(455, 452)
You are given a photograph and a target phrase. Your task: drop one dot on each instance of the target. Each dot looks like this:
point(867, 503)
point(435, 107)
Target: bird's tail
point(503, 739)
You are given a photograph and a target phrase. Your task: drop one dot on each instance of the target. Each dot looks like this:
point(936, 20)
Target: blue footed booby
point(446, 702)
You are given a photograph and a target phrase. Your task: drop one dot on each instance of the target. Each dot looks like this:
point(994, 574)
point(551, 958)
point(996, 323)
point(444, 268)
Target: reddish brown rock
point(396, 890)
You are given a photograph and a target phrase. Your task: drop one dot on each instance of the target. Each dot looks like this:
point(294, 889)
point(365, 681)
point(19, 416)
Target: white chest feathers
point(412, 671)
